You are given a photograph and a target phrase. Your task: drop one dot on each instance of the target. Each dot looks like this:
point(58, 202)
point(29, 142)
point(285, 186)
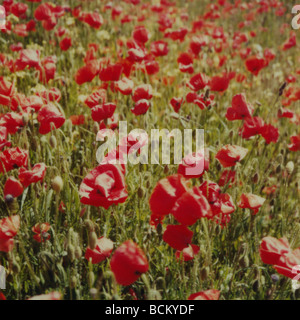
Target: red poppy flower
point(50, 115)
point(94, 19)
point(8, 230)
point(190, 207)
point(13, 187)
point(128, 263)
point(111, 72)
point(53, 94)
point(7, 90)
point(219, 83)
point(240, 108)
point(96, 98)
point(290, 43)
point(159, 48)
point(140, 34)
point(185, 62)
point(103, 111)
point(251, 127)
point(152, 67)
point(125, 86)
point(13, 158)
point(288, 265)
point(103, 250)
point(251, 201)
point(165, 194)
point(176, 103)
point(197, 43)
point(228, 176)
point(205, 295)
point(177, 34)
point(269, 133)
point(41, 232)
point(255, 64)
point(178, 237)
point(227, 205)
point(3, 137)
point(198, 82)
point(295, 143)
point(194, 165)
point(229, 155)
point(104, 186)
point(188, 253)
point(87, 73)
point(18, 9)
point(29, 57)
point(32, 176)
point(143, 91)
point(77, 119)
point(65, 43)
point(2, 297)
point(271, 249)
point(140, 107)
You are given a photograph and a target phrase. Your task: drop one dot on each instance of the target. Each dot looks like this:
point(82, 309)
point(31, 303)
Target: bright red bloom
point(269, 133)
point(111, 72)
point(251, 127)
point(96, 98)
point(255, 64)
point(229, 155)
point(140, 34)
point(104, 186)
point(50, 115)
point(8, 230)
point(205, 295)
point(18, 9)
point(251, 201)
point(295, 143)
point(165, 194)
point(159, 48)
point(143, 91)
point(188, 253)
point(103, 111)
point(271, 249)
point(77, 119)
point(128, 263)
point(140, 107)
point(94, 19)
point(88, 72)
point(288, 264)
point(185, 61)
point(240, 108)
point(190, 207)
point(28, 57)
point(152, 67)
point(13, 158)
point(219, 83)
point(176, 103)
point(103, 250)
point(3, 137)
point(291, 42)
point(41, 232)
point(228, 176)
point(178, 237)
point(43, 12)
point(13, 187)
point(32, 176)
point(65, 43)
point(198, 82)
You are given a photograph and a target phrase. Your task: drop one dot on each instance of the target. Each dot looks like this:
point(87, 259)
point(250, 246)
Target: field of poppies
point(74, 228)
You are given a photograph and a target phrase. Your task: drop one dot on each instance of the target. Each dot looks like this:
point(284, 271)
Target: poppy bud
point(204, 273)
point(275, 278)
point(57, 184)
point(244, 262)
point(290, 167)
point(256, 285)
point(73, 282)
point(160, 283)
point(78, 252)
point(91, 278)
point(71, 252)
point(278, 169)
point(25, 119)
point(96, 127)
point(93, 293)
point(16, 267)
point(255, 178)
point(159, 229)
point(153, 295)
point(92, 240)
point(166, 169)
point(53, 142)
point(140, 192)
point(89, 225)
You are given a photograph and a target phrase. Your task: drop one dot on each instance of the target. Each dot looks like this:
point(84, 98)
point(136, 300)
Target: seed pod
point(244, 262)
point(256, 285)
point(57, 184)
point(166, 169)
point(92, 240)
point(53, 142)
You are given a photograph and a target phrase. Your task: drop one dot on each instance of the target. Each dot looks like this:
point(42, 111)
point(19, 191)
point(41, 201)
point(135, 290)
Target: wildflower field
point(73, 227)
